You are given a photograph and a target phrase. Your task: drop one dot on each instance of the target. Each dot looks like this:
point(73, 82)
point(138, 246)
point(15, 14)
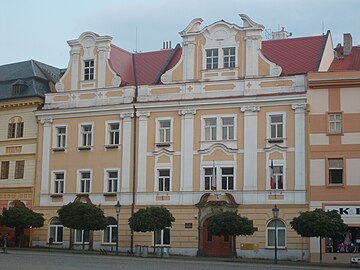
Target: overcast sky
point(40, 29)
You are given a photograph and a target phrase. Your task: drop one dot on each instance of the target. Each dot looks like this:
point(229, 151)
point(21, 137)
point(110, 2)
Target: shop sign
point(345, 211)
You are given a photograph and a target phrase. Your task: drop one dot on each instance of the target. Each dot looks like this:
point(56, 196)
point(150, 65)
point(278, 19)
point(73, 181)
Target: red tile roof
point(148, 65)
point(295, 55)
point(346, 62)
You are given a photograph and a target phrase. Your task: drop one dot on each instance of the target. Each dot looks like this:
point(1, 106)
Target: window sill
point(163, 144)
point(335, 134)
point(58, 149)
point(110, 194)
point(336, 186)
point(84, 148)
point(56, 195)
point(275, 140)
point(112, 146)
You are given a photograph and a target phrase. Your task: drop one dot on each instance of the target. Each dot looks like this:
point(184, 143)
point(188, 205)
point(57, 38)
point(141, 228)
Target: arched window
point(56, 230)
point(111, 231)
point(15, 127)
point(278, 227)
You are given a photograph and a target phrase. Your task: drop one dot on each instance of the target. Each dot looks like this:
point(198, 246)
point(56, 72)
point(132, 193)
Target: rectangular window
point(56, 233)
point(209, 174)
point(5, 165)
point(60, 137)
point(114, 133)
point(86, 135)
point(164, 179)
point(227, 178)
point(276, 126)
point(162, 237)
point(212, 58)
point(89, 70)
point(110, 234)
point(59, 179)
point(229, 57)
point(15, 130)
point(19, 169)
point(80, 235)
point(85, 181)
point(165, 130)
point(277, 178)
point(210, 129)
point(335, 123)
point(336, 168)
point(112, 181)
point(227, 125)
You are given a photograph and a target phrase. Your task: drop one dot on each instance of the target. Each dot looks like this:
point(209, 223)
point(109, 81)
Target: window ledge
point(335, 134)
point(336, 186)
point(58, 149)
point(110, 194)
point(111, 146)
point(275, 140)
point(56, 195)
point(163, 144)
point(82, 148)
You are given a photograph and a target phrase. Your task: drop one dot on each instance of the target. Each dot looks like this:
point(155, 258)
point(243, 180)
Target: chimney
point(166, 45)
point(347, 44)
point(282, 34)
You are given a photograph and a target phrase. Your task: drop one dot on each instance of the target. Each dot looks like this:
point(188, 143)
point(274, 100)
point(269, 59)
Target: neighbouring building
point(216, 124)
point(22, 91)
point(334, 127)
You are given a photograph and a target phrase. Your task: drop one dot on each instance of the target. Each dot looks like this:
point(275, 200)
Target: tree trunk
point(234, 246)
point(154, 243)
point(91, 240)
point(320, 250)
point(83, 240)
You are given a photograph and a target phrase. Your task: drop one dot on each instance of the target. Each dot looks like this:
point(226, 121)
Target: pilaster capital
point(142, 115)
point(250, 108)
point(299, 106)
point(184, 112)
point(46, 120)
point(126, 115)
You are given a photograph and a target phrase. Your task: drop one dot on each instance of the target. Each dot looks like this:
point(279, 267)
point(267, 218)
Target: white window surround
point(55, 228)
point(78, 180)
point(106, 171)
point(162, 238)
point(218, 165)
point(80, 135)
point(107, 133)
point(268, 173)
point(156, 173)
point(83, 68)
point(76, 236)
point(112, 230)
point(219, 132)
point(53, 180)
point(278, 228)
point(157, 126)
point(335, 123)
point(269, 139)
point(55, 144)
point(220, 56)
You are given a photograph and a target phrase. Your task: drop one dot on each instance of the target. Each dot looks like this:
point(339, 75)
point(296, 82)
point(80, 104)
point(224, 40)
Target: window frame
point(227, 58)
point(112, 228)
point(158, 131)
point(162, 244)
point(56, 181)
point(56, 230)
point(276, 163)
point(19, 172)
point(207, 178)
point(60, 140)
point(210, 62)
point(7, 169)
point(76, 231)
point(106, 180)
point(83, 144)
point(112, 134)
point(227, 176)
point(164, 178)
point(336, 121)
point(90, 75)
point(328, 174)
point(15, 127)
point(219, 128)
point(79, 180)
point(278, 228)
point(269, 125)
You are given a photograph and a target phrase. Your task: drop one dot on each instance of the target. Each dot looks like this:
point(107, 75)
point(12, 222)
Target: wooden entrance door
point(217, 246)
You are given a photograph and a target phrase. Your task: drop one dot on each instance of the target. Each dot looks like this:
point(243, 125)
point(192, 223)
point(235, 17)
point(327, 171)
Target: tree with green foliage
point(21, 217)
point(82, 216)
point(231, 224)
point(318, 223)
point(151, 219)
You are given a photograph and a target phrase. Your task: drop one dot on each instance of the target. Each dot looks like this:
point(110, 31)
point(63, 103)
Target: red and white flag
point(272, 179)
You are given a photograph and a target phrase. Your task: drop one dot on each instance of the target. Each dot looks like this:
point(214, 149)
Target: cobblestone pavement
point(38, 260)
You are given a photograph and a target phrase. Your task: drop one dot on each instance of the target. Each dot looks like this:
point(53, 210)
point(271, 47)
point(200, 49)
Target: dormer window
point(220, 58)
point(17, 87)
point(88, 70)
point(229, 57)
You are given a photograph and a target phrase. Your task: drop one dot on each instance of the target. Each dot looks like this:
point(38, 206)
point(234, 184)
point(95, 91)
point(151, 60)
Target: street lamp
point(117, 209)
point(275, 211)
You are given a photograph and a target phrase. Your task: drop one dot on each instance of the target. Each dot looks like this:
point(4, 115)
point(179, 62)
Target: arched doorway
point(219, 246)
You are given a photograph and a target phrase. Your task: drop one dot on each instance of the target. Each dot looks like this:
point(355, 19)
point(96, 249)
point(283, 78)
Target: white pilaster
point(74, 56)
point(45, 159)
point(300, 109)
point(126, 151)
point(187, 131)
point(101, 72)
point(250, 146)
point(142, 144)
point(188, 63)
